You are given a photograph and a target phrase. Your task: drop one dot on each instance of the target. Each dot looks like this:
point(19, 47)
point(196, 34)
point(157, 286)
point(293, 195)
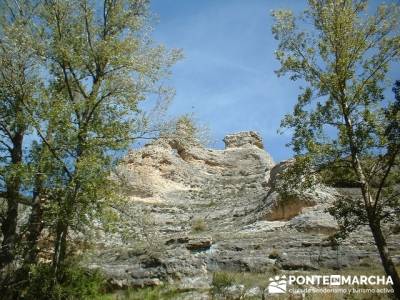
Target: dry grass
point(199, 225)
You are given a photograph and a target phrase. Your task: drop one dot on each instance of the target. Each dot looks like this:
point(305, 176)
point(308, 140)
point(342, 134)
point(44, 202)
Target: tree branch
point(20, 199)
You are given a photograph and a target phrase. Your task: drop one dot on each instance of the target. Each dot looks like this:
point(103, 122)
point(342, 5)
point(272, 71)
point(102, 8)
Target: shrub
point(274, 254)
point(199, 225)
point(75, 283)
point(221, 280)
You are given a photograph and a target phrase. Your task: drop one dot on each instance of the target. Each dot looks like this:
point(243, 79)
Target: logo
point(277, 285)
point(301, 284)
point(335, 279)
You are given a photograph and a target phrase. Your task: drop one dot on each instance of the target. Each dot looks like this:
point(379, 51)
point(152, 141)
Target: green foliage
point(82, 68)
point(298, 177)
point(341, 115)
point(341, 174)
point(75, 283)
point(221, 280)
point(338, 174)
point(101, 68)
point(186, 129)
point(334, 86)
point(19, 88)
point(340, 122)
point(350, 214)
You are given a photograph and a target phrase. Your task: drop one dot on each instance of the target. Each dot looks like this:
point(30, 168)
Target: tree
point(19, 83)
point(82, 68)
point(341, 116)
point(102, 65)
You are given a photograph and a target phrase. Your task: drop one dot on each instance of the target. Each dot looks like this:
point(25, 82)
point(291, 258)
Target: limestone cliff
point(191, 211)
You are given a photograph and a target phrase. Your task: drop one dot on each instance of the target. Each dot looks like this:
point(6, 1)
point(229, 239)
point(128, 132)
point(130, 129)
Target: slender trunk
point(373, 220)
point(60, 243)
point(60, 247)
point(9, 225)
point(387, 262)
point(379, 238)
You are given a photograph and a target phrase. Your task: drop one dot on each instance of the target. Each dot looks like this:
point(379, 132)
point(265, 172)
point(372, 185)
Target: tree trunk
point(9, 225)
point(9, 230)
point(60, 247)
point(373, 220)
point(387, 262)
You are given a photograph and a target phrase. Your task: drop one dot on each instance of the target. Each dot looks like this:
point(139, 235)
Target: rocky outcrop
point(191, 211)
point(243, 139)
point(286, 206)
point(315, 220)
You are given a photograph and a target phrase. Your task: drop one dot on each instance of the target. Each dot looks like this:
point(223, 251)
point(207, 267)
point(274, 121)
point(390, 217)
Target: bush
point(274, 254)
point(221, 280)
point(199, 225)
point(75, 283)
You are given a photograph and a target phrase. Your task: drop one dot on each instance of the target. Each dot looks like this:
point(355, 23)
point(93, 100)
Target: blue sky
point(227, 77)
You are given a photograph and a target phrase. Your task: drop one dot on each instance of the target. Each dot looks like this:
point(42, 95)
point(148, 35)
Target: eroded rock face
point(192, 210)
point(243, 139)
point(171, 171)
point(292, 204)
point(286, 208)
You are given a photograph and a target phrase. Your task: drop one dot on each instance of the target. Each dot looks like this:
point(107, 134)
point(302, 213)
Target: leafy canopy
point(341, 117)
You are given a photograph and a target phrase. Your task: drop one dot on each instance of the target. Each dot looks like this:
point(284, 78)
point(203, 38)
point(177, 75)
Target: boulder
point(254, 292)
point(199, 244)
point(285, 208)
point(315, 221)
point(234, 292)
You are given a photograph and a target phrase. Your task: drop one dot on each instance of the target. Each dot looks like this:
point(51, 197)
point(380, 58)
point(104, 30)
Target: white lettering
point(300, 280)
point(380, 280)
point(371, 280)
point(292, 279)
point(346, 280)
point(339, 280)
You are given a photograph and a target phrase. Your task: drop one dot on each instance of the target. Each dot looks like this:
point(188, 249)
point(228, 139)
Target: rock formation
point(191, 211)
